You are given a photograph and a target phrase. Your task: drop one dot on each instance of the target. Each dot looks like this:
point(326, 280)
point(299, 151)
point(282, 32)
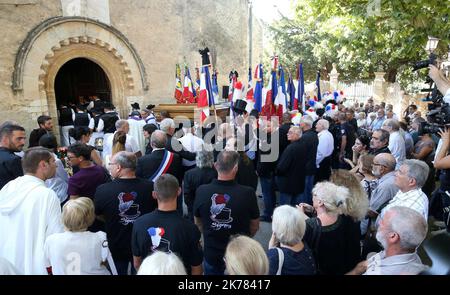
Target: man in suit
point(160, 161)
point(291, 169)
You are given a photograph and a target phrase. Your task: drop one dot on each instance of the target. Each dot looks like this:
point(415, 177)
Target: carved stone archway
point(56, 41)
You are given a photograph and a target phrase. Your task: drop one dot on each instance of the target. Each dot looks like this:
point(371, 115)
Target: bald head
point(158, 139)
point(385, 160)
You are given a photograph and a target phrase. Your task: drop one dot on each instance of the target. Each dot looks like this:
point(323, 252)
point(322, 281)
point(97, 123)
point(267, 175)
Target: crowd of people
point(344, 194)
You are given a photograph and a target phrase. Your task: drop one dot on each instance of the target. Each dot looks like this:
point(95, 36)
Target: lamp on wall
point(432, 44)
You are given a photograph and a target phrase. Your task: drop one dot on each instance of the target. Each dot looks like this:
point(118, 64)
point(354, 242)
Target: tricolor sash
point(165, 164)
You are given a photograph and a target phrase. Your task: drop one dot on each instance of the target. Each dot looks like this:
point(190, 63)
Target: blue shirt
point(295, 263)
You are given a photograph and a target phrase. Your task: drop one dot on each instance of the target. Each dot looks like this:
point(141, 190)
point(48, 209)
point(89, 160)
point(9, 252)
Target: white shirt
point(402, 264)
point(60, 182)
point(29, 213)
point(414, 199)
point(325, 147)
point(397, 147)
point(77, 253)
point(130, 145)
point(192, 144)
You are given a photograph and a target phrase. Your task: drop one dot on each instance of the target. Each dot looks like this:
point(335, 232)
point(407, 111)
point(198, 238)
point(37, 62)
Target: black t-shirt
point(167, 231)
point(225, 208)
point(121, 202)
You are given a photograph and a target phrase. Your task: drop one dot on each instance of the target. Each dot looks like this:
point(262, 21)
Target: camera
point(438, 115)
point(425, 63)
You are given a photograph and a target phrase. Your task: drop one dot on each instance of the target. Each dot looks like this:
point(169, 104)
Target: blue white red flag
point(281, 98)
point(205, 94)
point(259, 78)
point(189, 91)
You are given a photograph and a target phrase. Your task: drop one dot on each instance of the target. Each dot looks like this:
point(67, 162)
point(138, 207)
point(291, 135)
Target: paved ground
point(265, 228)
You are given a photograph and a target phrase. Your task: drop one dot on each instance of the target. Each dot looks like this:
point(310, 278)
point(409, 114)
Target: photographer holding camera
point(442, 83)
point(440, 200)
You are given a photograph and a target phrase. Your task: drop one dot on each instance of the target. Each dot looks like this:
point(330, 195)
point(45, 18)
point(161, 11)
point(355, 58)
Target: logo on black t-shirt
point(158, 242)
point(220, 214)
point(128, 210)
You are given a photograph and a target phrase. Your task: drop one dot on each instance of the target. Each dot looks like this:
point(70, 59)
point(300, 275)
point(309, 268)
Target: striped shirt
point(414, 199)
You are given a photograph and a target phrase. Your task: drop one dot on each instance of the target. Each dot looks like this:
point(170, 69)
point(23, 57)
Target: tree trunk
point(391, 75)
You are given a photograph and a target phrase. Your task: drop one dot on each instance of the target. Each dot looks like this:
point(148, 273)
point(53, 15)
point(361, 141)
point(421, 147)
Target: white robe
point(137, 131)
point(29, 213)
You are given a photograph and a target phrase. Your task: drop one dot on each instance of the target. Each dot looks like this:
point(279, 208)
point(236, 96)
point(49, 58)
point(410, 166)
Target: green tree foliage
point(389, 39)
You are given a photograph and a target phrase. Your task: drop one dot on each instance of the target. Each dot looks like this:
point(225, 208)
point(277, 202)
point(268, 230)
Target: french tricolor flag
point(281, 98)
point(205, 93)
point(250, 93)
point(189, 91)
point(272, 92)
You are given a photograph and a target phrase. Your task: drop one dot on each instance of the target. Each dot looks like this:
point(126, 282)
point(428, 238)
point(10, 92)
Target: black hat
point(150, 107)
point(136, 106)
point(109, 106)
point(239, 106)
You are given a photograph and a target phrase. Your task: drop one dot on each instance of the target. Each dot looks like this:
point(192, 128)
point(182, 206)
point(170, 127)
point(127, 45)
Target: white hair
point(334, 197)
point(324, 123)
point(392, 123)
point(418, 170)
point(307, 120)
point(121, 123)
point(161, 263)
point(166, 124)
point(288, 225)
point(409, 224)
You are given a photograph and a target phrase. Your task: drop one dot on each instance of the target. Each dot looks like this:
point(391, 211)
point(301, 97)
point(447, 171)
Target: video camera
point(438, 115)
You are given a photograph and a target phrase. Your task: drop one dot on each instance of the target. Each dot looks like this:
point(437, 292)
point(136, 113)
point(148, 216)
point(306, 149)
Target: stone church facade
point(135, 42)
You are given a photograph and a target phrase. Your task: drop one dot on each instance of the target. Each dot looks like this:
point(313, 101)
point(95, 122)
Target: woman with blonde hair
point(245, 256)
point(357, 203)
point(78, 251)
point(333, 236)
point(288, 255)
point(119, 140)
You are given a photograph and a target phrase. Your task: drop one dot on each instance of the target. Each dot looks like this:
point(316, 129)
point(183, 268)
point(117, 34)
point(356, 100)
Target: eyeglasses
point(376, 164)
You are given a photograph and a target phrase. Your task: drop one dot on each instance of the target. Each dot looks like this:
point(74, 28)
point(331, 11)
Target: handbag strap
point(280, 260)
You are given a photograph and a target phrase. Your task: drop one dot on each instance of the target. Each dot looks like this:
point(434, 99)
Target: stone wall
point(162, 32)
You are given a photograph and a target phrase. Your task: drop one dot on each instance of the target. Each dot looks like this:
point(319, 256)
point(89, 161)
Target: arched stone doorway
point(81, 78)
point(59, 40)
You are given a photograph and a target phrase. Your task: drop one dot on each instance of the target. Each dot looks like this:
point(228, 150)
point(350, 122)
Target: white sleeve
point(89, 116)
point(100, 126)
point(90, 106)
point(54, 224)
point(447, 96)
point(73, 115)
point(91, 123)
